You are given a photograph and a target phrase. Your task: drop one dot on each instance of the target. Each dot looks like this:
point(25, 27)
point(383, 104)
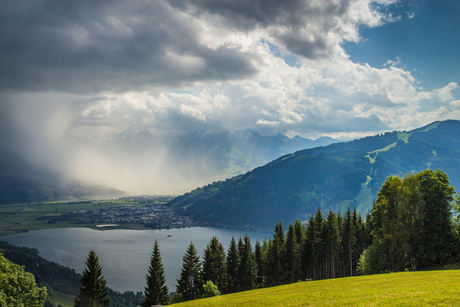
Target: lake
point(125, 254)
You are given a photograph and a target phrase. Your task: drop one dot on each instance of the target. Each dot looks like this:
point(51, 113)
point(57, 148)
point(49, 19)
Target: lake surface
point(125, 254)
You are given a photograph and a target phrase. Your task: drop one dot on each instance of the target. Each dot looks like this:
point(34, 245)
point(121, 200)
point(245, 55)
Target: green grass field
point(431, 288)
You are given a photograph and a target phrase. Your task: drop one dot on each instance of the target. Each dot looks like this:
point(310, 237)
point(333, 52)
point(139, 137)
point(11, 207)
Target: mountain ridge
point(329, 177)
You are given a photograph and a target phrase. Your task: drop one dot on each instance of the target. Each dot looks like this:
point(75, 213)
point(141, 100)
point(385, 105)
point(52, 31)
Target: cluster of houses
point(156, 216)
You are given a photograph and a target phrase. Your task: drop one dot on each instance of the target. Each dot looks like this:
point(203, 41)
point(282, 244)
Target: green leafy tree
point(93, 291)
point(214, 265)
point(412, 224)
point(189, 285)
point(436, 197)
point(17, 287)
point(156, 292)
point(210, 289)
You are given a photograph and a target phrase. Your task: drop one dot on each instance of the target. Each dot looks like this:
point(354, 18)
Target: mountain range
point(208, 155)
point(334, 177)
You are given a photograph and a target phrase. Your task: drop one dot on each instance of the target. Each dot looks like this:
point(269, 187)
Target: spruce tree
point(247, 269)
point(190, 285)
point(275, 258)
point(348, 243)
point(93, 291)
point(258, 257)
point(292, 256)
point(233, 260)
point(214, 266)
point(332, 244)
point(307, 249)
point(156, 292)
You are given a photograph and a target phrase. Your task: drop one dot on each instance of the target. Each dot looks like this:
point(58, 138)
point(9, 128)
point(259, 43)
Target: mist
point(37, 128)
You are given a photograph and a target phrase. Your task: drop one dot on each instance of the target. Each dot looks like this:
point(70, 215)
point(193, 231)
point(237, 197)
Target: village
point(152, 215)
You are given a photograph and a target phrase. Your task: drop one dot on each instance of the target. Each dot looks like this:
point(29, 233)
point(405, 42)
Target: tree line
point(411, 226)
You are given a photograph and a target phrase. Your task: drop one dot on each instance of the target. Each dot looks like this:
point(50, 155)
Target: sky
point(343, 69)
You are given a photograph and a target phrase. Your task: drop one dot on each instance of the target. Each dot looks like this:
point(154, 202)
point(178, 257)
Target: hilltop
point(330, 177)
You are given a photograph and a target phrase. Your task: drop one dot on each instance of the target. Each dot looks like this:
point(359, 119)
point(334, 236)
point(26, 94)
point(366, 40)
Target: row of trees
point(410, 226)
point(325, 247)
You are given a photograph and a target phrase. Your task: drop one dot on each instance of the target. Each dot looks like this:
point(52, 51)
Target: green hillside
point(433, 288)
point(332, 177)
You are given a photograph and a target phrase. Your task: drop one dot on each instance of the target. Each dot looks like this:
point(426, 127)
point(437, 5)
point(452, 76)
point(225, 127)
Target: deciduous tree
point(17, 287)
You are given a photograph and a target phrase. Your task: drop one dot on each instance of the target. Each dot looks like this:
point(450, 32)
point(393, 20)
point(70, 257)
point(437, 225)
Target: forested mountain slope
point(332, 177)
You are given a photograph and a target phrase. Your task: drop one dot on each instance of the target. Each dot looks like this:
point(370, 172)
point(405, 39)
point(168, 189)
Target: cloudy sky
point(343, 69)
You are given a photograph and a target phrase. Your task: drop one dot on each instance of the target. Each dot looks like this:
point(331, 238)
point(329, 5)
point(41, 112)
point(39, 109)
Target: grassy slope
point(431, 288)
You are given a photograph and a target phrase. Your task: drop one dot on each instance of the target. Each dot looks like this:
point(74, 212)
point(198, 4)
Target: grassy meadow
point(428, 288)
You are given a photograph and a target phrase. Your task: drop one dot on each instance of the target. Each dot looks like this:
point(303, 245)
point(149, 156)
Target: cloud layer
point(95, 67)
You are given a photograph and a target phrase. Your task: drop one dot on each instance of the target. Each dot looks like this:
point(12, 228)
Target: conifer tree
point(348, 243)
point(307, 249)
point(275, 265)
point(156, 292)
point(93, 291)
point(233, 260)
point(259, 258)
point(332, 244)
point(292, 256)
point(189, 285)
point(247, 269)
point(317, 245)
point(299, 230)
point(214, 266)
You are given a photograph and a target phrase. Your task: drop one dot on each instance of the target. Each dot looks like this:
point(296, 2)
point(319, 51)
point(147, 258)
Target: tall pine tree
point(292, 256)
point(247, 269)
point(156, 292)
point(233, 261)
point(93, 291)
point(214, 266)
point(259, 258)
point(190, 285)
point(274, 267)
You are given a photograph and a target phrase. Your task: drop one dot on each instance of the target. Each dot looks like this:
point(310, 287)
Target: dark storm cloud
point(293, 15)
point(90, 46)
